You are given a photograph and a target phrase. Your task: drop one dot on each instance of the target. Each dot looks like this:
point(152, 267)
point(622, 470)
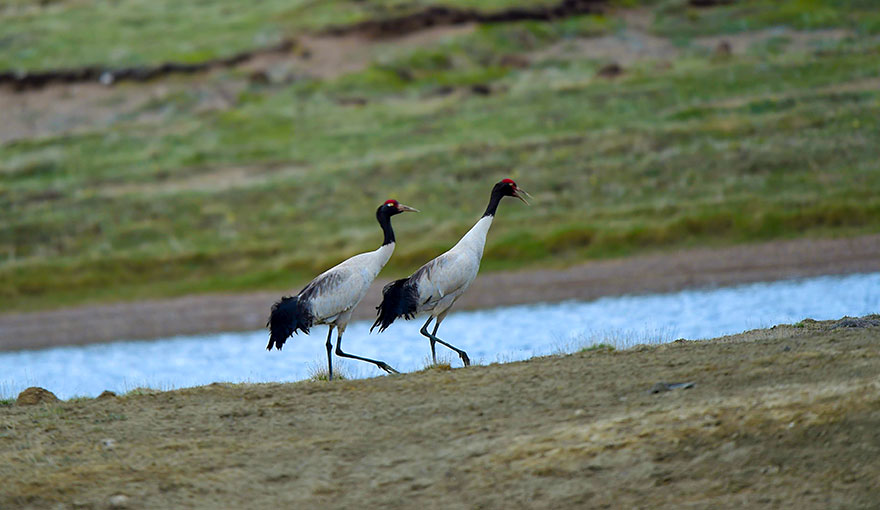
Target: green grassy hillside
point(780, 139)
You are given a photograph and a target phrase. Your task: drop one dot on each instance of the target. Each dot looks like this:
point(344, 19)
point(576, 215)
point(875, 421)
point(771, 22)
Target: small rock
point(404, 74)
point(34, 395)
point(723, 50)
point(611, 70)
point(259, 77)
point(855, 322)
point(352, 101)
point(514, 60)
point(108, 444)
point(106, 394)
point(119, 501)
point(709, 3)
point(481, 89)
point(443, 90)
point(107, 78)
point(660, 387)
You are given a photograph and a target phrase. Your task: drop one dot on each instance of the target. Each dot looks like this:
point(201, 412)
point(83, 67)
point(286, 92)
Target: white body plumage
point(443, 280)
point(333, 295)
point(434, 287)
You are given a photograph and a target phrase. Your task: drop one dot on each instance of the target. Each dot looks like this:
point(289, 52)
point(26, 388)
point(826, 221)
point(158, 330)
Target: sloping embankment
point(782, 418)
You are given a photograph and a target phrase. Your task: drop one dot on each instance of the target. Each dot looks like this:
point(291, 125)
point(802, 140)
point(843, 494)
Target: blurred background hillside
point(152, 148)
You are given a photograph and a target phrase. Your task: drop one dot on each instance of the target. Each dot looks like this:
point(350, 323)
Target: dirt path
point(782, 418)
point(643, 274)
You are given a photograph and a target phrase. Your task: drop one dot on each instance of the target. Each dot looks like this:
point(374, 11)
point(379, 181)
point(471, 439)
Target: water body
point(501, 334)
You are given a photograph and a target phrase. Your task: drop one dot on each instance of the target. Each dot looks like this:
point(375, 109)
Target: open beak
point(517, 192)
point(406, 208)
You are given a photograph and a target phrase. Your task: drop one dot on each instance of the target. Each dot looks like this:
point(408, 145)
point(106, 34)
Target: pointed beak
point(517, 192)
point(406, 208)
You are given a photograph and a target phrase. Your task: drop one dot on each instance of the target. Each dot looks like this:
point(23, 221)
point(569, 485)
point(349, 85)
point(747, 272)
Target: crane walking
point(332, 296)
point(434, 287)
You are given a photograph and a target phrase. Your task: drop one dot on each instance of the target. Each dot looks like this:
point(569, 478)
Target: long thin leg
point(329, 346)
point(433, 337)
point(424, 331)
point(381, 364)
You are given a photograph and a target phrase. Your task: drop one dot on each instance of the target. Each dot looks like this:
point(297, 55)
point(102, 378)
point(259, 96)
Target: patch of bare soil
point(666, 272)
point(636, 43)
point(331, 56)
point(82, 107)
point(787, 417)
point(212, 179)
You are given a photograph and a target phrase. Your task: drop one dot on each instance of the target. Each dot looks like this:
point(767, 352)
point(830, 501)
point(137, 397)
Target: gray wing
point(335, 291)
point(447, 274)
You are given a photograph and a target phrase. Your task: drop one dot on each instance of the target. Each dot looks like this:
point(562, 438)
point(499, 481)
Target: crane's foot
point(386, 367)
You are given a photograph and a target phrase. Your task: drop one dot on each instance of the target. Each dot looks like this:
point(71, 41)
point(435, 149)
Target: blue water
point(501, 334)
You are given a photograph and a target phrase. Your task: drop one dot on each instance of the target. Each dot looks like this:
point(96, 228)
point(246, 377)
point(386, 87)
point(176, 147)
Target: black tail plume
point(399, 299)
point(287, 316)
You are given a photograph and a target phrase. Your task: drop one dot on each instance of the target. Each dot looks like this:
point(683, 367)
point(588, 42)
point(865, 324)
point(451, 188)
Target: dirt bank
point(782, 418)
point(643, 274)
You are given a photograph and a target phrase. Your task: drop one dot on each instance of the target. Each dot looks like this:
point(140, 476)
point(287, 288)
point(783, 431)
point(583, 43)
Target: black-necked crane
point(332, 296)
point(434, 287)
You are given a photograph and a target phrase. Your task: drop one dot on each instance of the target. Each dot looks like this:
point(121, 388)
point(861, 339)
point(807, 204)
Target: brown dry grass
point(779, 418)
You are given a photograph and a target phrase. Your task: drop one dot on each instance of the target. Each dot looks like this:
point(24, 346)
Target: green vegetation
point(444, 365)
point(36, 34)
point(677, 19)
point(599, 348)
point(321, 374)
point(40, 34)
point(767, 144)
point(141, 391)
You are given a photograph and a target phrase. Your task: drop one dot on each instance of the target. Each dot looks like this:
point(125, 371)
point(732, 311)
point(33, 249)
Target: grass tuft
point(602, 347)
point(141, 391)
point(440, 366)
point(319, 373)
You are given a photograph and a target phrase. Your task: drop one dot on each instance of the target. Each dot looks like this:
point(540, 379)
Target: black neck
point(495, 199)
point(385, 222)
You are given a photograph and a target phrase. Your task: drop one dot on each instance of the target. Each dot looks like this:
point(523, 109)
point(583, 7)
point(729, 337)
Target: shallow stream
point(501, 334)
